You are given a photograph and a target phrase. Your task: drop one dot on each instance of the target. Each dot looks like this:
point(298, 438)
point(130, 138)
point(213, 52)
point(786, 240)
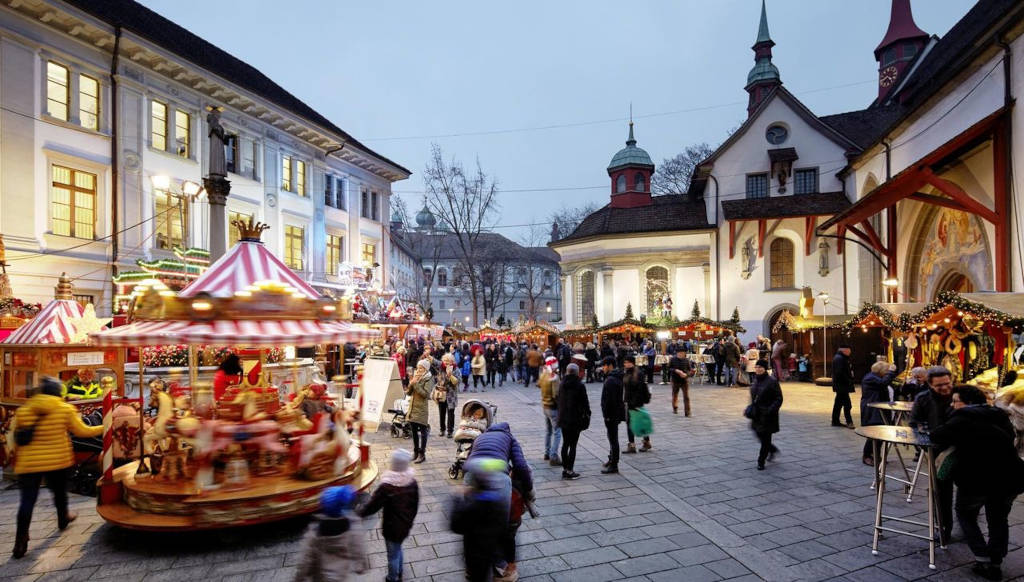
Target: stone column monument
point(216, 183)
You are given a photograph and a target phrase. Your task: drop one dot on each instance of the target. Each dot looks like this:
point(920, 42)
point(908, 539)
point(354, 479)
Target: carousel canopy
point(54, 324)
point(246, 264)
point(251, 333)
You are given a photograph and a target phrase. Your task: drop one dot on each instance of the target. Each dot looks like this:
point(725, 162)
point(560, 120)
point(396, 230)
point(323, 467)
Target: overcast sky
point(400, 75)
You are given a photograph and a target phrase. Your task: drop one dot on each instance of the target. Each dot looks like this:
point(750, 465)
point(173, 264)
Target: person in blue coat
point(876, 386)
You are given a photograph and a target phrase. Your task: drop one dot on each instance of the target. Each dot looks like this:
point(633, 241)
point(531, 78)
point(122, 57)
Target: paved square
point(694, 508)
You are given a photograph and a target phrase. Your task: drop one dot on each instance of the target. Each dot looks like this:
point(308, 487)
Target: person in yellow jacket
point(48, 454)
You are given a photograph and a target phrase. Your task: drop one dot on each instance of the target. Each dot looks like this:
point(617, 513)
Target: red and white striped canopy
point(249, 333)
point(245, 264)
point(52, 325)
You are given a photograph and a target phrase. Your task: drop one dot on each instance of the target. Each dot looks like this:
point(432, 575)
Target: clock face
point(776, 134)
point(887, 76)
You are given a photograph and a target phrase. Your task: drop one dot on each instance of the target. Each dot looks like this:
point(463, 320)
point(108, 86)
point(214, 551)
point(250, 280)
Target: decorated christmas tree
point(735, 316)
point(696, 309)
point(629, 311)
point(593, 320)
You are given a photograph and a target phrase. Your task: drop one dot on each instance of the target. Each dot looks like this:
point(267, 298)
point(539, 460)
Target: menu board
point(381, 387)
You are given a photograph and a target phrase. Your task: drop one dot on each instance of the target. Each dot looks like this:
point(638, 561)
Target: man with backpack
point(636, 394)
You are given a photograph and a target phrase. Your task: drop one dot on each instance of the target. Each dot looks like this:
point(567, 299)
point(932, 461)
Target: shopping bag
point(640, 422)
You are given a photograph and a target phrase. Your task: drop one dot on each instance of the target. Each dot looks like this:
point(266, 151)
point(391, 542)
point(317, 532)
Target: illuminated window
point(233, 235)
point(369, 255)
point(89, 102)
point(300, 177)
point(183, 133)
point(158, 125)
point(286, 173)
point(294, 246)
point(73, 210)
point(334, 246)
point(781, 264)
point(57, 90)
point(170, 221)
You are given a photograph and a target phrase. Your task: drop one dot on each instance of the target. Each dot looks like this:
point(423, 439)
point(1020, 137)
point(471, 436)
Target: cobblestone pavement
point(692, 509)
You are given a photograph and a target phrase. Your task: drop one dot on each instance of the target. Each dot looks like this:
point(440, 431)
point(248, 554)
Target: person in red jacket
point(229, 373)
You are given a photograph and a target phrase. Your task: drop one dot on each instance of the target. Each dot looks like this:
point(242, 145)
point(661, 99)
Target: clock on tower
point(887, 76)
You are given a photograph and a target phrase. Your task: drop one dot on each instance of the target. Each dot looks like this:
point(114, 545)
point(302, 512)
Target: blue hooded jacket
point(497, 442)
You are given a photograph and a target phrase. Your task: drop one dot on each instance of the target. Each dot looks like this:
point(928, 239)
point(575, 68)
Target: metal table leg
point(879, 495)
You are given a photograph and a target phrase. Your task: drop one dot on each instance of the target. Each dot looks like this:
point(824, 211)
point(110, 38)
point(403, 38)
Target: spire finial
point(631, 141)
point(762, 30)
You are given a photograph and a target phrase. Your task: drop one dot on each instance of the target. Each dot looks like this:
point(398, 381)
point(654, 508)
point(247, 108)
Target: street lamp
point(451, 315)
point(188, 190)
point(824, 332)
point(890, 284)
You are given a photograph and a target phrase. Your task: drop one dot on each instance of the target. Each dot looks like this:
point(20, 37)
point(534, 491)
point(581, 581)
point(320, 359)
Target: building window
point(73, 210)
point(294, 246)
point(781, 264)
point(639, 184)
point(170, 219)
point(909, 50)
point(620, 183)
point(805, 181)
point(334, 246)
point(374, 206)
point(441, 303)
point(328, 190)
point(522, 305)
point(369, 254)
point(84, 300)
point(89, 102)
point(58, 94)
point(364, 207)
point(657, 288)
point(286, 173)
point(183, 133)
point(339, 193)
point(300, 177)
point(158, 125)
point(889, 56)
point(231, 154)
point(585, 298)
point(233, 235)
point(757, 185)
point(442, 278)
point(548, 278)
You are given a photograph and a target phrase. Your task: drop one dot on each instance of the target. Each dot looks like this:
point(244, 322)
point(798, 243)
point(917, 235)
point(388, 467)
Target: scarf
point(399, 478)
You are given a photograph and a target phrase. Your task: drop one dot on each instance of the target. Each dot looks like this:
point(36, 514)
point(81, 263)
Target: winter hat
point(400, 459)
point(51, 386)
point(551, 361)
point(335, 500)
point(764, 364)
point(580, 357)
point(572, 369)
point(424, 363)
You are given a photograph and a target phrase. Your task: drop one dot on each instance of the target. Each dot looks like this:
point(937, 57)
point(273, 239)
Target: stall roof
point(252, 333)
point(247, 263)
point(54, 324)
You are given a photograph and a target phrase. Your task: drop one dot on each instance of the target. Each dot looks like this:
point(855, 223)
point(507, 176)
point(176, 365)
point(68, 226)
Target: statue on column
point(219, 139)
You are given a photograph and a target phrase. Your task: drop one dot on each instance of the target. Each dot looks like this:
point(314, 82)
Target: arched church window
point(585, 298)
point(781, 264)
point(620, 183)
point(639, 183)
point(657, 289)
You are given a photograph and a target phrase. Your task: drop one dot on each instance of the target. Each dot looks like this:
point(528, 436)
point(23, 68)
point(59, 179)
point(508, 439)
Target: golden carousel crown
point(250, 230)
point(64, 289)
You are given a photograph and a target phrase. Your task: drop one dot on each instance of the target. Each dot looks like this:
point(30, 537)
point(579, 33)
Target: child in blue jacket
point(467, 371)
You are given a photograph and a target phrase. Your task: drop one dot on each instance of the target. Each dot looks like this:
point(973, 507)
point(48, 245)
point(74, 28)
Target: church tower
point(764, 77)
point(630, 171)
point(903, 42)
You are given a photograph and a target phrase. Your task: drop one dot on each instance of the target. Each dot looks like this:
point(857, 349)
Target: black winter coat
point(677, 363)
point(874, 388)
point(400, 505)
point(612, 406)
point(842, 374)
point(986, 459)
point(930, 408)
point(573, 405)
point(634, 389)
point(766, 396)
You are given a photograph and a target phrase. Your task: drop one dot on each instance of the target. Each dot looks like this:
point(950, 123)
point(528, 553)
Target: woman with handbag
point(763, 412)
point(43, 450)
point(420, 388)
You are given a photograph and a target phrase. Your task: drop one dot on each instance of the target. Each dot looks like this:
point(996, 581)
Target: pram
point(86, 470)
point(399, 423)
point(475, 418)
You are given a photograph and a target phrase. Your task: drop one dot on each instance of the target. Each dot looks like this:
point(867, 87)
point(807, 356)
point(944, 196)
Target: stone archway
point(954, 280)
point(949, 249)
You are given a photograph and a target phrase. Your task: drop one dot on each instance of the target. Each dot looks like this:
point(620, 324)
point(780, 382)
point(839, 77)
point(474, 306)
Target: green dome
point(763, 70)
point(425, 219)
point(630, 155)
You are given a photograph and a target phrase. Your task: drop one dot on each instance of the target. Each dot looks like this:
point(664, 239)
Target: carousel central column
point(216, 184)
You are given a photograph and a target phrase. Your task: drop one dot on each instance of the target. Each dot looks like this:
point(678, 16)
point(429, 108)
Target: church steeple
point(764, 76)
point(902, 43)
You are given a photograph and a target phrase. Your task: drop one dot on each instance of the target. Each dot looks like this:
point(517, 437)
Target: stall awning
point(54, 324)
point(251, 333)
point(247, 263)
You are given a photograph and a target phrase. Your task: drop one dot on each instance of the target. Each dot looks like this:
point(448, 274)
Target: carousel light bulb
point(201, 305)
point(297, 295)
point(243, 293)
point(960, 313)
point(947, 320)
point(167, 293)
point(329, 308)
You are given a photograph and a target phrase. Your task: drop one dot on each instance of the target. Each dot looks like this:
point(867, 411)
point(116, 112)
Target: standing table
point(898, 411)
point(884, 438)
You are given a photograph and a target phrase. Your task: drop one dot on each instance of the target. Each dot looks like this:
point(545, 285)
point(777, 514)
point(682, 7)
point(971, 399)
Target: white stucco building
point(98, 98)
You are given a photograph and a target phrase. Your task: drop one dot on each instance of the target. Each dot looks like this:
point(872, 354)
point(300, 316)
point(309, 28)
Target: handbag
point(748, 412)
point(23, 435)
point(438, 395)
point(640, 422)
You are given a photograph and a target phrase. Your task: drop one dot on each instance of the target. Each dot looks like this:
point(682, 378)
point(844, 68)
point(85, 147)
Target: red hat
point(550, 360)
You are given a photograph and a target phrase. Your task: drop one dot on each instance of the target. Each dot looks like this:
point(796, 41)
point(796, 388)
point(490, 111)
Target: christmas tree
point(593, 320)
point(696, 309)
point(629, 311)
point(735, 316)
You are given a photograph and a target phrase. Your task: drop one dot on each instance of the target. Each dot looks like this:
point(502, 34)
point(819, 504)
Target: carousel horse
point(162, 427)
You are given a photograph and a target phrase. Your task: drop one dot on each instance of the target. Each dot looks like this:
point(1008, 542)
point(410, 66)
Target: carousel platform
point(151, 504)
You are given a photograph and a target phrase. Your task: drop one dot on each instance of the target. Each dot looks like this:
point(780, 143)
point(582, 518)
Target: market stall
point(819, 336)
point(581, 335)
point(539, 333)
point(626, 329)
point(487, 332)
point(256, 452)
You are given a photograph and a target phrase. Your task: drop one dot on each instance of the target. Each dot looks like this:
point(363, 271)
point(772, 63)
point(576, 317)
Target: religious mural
point(955, 249)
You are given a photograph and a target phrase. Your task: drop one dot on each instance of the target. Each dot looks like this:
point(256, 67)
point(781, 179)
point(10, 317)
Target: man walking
point(534, 359)
point(731, 359)
point(842, 385)
point(651, 354)
point(614, 411)
point(680, 368)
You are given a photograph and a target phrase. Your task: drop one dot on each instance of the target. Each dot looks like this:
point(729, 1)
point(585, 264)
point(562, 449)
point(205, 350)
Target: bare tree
point(673, 175)
point(426, 246)
point(567, 218)
point(534, 276)
point(495, 274)
point(399, 210)
point(464, 204)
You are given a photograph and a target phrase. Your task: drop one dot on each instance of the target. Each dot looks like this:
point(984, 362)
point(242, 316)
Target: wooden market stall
point(541, 333)
point(626, 329)
point(252, 455)
point(819, 336)
point(581, 335)
point(487, 332)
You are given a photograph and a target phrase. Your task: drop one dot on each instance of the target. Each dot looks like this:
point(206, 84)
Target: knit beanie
point(335, 500)
point(400, 459)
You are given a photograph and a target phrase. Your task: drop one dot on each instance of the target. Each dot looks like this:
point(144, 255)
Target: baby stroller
point(475, 418)
point(399, 423)
point(86, 470)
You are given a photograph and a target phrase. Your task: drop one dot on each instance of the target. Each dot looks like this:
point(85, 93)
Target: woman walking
point(875, 387)
point(420, 387)
point(765, 402)
point(492, 357)
point(573, 417)
point(43, 447)
point(479, 366)
point(449, 383)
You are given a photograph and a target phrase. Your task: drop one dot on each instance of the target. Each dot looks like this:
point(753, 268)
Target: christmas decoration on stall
point(870, 315)
point(175, 274)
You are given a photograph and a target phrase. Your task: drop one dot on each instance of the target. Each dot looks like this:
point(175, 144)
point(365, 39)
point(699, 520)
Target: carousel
point(252, 451)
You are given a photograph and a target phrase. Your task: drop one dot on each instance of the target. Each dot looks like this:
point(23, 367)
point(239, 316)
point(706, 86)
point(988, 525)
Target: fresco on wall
point(954, 243)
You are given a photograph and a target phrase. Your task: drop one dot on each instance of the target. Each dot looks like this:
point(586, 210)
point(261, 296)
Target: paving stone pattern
point(692, 509)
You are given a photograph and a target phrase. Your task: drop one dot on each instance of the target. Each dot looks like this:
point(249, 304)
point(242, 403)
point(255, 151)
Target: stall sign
point(85, 358)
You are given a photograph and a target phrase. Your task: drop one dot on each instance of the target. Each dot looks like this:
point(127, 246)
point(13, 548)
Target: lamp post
point(824, 333)
point(451, 315)
point(890, 284)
